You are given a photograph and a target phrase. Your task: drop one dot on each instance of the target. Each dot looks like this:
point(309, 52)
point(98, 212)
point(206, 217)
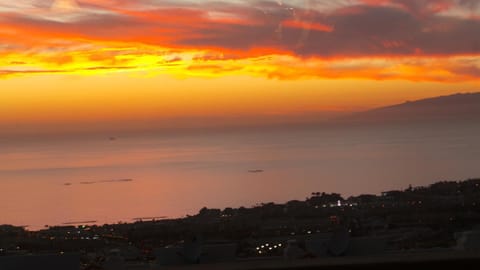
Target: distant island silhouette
point(458, 107)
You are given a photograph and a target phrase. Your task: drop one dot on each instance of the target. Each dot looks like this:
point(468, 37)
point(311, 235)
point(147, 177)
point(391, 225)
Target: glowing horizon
point(84, 61)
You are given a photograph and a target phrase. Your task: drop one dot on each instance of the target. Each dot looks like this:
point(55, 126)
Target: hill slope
point(458, 107)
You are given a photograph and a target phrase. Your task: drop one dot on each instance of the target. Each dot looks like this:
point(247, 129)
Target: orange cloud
point(263, 39)
point(308, 25)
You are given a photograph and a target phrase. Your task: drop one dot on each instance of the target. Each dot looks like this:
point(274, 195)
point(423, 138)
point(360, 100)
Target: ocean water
point(51, 181)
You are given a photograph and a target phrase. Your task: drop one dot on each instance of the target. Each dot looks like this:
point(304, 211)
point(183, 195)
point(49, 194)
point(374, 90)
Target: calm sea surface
point(53, 181)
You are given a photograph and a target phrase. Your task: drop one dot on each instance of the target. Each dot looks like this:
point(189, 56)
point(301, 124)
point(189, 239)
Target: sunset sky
point(128, 62)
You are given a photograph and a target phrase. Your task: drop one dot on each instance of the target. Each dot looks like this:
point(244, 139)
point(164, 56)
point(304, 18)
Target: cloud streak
point(252, 37)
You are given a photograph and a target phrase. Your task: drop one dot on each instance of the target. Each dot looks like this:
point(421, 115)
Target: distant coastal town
point(443, 215)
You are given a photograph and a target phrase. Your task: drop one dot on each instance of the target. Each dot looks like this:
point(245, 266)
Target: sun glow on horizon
point(97, 60)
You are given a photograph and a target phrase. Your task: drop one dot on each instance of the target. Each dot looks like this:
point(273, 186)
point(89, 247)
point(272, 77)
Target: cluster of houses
point(445, 215)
